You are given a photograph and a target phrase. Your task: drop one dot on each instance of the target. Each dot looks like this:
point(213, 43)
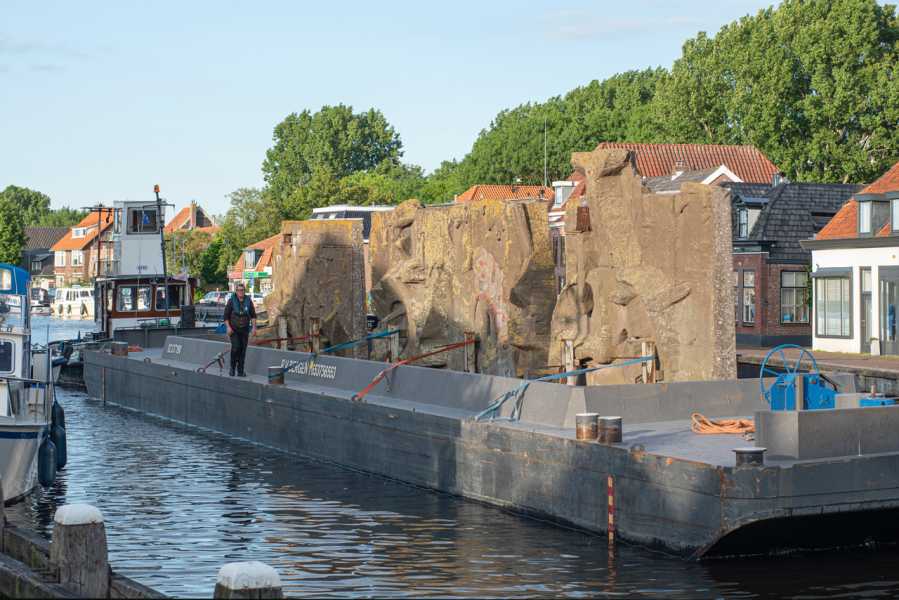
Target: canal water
point(179, 503)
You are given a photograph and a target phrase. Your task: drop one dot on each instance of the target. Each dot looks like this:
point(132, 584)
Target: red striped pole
point(611, 490)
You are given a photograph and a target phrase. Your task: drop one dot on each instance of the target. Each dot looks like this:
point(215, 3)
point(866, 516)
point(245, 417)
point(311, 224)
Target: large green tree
point(811, 83)
point(333, 142)
point(61, 217)
point(12, 231)
point(251, 218)
point(33, 205)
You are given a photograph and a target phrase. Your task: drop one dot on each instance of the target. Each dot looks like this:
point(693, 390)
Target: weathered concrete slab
point(318, 273)
point(644, 267)
point(483, 267)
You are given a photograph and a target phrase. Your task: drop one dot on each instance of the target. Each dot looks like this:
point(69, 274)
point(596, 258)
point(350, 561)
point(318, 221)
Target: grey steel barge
point(830, 478)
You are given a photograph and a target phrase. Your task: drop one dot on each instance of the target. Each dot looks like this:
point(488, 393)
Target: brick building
point(76, 254)
point(192, 217)
point(771, 270)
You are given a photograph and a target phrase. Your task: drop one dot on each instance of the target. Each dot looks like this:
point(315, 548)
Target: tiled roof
point(183, 217)
point(505, 192)
point(267, 246)
point(789, 215)
point(655, 160)
point(43, 237)
point(67, 242)
point(844, 224)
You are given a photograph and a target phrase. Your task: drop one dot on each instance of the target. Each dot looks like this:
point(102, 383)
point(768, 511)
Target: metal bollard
point(118, 348)
point(610, 430)
point(78, 550)
point(276, 375)
point(248, 580)
point(315, 339)
point(750, 456)
point(587, 426)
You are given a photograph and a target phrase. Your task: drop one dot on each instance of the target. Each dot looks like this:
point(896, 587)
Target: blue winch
point(817, 391)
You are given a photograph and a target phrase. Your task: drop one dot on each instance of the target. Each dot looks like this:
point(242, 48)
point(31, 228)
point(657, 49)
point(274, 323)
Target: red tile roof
point(183, 217)
point(67, 242)
point(504, 192)
point(655, 160)
point(267, 246)
point(844, 224)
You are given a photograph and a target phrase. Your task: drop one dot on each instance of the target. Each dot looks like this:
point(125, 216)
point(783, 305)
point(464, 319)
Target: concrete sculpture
point(482, 267)
point(643, 267)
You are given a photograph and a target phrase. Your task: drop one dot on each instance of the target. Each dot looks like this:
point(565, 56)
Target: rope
point(380, 376)
point(351, 343)
point(705, 426)
point(494, 406)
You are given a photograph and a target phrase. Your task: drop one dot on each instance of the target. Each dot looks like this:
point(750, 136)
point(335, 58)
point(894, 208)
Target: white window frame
point(77, 258)
point(747, 298)
point(845, 306)
point(865, 210)
point(59, 258)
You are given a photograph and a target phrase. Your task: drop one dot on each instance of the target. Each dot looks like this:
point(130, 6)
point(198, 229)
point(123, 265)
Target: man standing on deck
point(240, 319)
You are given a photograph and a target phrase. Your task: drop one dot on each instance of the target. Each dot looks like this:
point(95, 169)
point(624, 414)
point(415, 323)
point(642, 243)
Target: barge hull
point(689, 507)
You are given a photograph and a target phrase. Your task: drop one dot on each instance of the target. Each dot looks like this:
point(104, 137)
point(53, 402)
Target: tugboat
point(27, 453)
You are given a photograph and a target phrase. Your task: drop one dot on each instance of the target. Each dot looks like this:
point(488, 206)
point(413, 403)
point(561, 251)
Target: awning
point(833, 272)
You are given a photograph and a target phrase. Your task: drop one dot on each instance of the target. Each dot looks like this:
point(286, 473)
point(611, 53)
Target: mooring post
point(471, 353)
point(394, 347)
point(648, 367)
point(249, 580)
point(78, 550)
point(315, 328)
point(282, 332)
point(568, 359)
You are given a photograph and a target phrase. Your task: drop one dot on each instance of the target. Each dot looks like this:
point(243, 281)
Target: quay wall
point(682, 506)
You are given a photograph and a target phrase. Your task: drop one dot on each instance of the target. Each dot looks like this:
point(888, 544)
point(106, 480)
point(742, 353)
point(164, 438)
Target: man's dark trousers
point(240, 339)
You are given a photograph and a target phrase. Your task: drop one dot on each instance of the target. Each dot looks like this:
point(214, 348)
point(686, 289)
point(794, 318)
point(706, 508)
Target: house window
point(793, 297)
point(133, 298)
point(749, 297)
point(864, 217)
point(78, 232)
point(832, 306)
point(142, 220)
point(743, 227)
point(894, 214)
point(36, 266)
point(737, 295)
point(59, 258)
point(77, 258)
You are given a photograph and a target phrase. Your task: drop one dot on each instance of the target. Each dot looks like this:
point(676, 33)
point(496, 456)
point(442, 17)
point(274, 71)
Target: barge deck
point(672, 489)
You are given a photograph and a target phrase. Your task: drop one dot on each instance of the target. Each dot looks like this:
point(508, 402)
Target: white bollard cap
point(77, 514)
point(248, 575)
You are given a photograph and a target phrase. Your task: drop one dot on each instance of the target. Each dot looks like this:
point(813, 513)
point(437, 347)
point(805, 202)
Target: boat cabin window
point(6, 354)
point(133, 298)
point(142, 220)
point(176, 293)
point(11, 311)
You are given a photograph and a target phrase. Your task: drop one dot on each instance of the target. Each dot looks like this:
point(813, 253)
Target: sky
point(99, 101)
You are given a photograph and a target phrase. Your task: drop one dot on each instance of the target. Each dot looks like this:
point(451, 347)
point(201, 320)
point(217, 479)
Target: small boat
point(74, 303)
point(26, 402)
point(39, 310)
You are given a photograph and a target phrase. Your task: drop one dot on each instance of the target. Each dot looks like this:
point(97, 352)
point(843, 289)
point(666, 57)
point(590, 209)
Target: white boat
point(25, 402)
point(74, 303)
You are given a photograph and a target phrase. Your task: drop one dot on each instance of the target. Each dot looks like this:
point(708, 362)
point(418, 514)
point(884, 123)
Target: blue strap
point(351, 343)
point(494, 406)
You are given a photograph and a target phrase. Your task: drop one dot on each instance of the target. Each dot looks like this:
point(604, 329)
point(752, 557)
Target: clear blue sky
point(100, 100)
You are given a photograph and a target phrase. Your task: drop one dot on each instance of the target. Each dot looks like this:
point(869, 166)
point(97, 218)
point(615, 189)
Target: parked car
point(218, 298)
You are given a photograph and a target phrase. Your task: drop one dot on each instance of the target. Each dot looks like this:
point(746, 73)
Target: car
point(217, 298)
point(257, 298)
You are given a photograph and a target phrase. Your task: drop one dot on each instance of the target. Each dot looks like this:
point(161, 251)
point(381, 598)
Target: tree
point(811, 83)
point(12, 231)
point(32, 205)
point(334, 141)
point(61, 217)
point(253, 216)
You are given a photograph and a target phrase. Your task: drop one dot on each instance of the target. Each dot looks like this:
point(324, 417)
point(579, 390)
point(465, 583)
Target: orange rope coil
point(705, 426)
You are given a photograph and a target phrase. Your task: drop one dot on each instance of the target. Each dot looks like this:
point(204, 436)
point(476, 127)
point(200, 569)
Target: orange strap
point(703, 425)
point(133, 348)
point(380, 376)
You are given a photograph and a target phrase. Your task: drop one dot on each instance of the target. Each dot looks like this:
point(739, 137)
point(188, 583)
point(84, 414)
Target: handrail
point(494, 406)
point(380, 376)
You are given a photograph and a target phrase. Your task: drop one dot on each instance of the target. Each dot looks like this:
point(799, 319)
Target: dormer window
point(864, 218)
point(743, 224)
point(79, 232)
point(894, 210)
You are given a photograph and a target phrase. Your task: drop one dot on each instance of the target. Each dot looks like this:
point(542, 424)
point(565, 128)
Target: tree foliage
point(196, 253)
point(12, 231)
point(61, 217)
point(35, 211)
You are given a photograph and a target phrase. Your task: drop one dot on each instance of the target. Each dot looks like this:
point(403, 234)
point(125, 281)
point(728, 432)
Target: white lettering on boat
point(309, 368)
point(173, 349)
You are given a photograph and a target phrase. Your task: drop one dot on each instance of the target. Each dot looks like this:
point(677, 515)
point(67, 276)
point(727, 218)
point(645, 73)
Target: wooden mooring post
point(78, 550)
point(248, 580)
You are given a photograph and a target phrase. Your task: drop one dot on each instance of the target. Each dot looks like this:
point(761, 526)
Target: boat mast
point(165, 271)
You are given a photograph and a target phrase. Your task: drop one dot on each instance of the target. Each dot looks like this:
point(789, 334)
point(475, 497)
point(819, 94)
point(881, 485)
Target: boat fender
point(46, 462)
point(58, 414)
point(58, 437)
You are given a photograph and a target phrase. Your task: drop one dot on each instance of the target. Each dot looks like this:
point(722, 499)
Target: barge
point(830, 477)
